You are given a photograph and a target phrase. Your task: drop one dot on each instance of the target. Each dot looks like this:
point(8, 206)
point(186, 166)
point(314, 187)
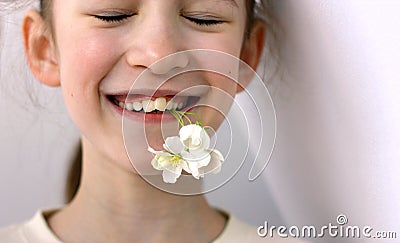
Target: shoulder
point(34, 230)
point(239, 231)
point(11, 234)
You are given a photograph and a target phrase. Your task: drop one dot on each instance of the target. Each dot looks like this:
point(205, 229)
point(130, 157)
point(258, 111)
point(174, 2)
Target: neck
point(115, 203)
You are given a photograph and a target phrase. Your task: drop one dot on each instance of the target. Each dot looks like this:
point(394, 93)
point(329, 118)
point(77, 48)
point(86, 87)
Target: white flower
point(170, 161)
point(194, 137)
point(190, 152)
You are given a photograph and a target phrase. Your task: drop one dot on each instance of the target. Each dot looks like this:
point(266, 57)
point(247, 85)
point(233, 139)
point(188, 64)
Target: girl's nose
point(170, 62)
point(153, 39)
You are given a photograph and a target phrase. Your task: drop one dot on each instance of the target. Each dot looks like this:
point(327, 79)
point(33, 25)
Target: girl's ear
point(39, 49)
point(252, 50)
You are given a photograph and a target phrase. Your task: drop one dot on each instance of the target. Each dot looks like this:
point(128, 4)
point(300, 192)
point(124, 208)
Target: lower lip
point(145, 117)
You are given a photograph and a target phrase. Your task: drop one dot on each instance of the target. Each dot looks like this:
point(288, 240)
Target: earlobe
point(39, 49)
point(251, 52)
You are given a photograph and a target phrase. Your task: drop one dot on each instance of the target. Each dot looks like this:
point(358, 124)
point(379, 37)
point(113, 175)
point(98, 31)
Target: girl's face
point(100, 47)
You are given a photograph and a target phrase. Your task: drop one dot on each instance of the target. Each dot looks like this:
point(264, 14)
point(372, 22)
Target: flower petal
point(160, 153)
point(197, 160)
point(151, 150)
point(155, 164)
point(200, 156)
point(204, 161)
point(201, 172)
point(217, 154)
point(170, 175)
point(160, 162)
point(215, 163)
point(186, 131)
point(185, 167)
point(174, 145)
point(194, 137)
point(194, 169)
point(205, 139)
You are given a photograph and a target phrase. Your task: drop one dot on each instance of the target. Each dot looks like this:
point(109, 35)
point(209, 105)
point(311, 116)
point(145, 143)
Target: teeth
point(129, 106)
point(148, 105)
point(180, 106)
point(159, 104)
point(169, 106)
point(137, 106)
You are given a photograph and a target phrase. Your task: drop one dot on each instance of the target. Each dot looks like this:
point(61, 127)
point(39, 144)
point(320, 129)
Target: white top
point(36, 230)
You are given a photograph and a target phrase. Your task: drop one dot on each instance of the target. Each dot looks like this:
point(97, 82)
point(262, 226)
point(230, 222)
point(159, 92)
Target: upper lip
point(181, 85)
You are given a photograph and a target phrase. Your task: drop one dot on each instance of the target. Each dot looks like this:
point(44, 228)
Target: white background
point(338, 109)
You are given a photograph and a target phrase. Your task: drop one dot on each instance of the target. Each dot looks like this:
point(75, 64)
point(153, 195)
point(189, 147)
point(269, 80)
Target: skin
point(90, 58)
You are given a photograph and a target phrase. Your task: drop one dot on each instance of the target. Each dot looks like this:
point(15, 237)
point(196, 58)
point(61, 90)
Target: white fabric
point(37, 230)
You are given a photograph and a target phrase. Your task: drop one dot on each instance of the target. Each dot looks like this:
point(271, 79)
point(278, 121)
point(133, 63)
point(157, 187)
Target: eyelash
point(204, 22)
point(113, 18)
point(122, 17)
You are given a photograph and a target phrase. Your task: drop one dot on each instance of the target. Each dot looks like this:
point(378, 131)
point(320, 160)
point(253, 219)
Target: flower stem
point(178, 117)
point(181, 114)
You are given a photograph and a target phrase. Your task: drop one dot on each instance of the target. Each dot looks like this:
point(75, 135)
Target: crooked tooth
point(160, 104)
point(137, 106)
point(148, 105)
point(129, 106)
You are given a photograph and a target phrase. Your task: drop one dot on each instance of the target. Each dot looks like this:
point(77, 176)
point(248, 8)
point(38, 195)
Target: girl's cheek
point(90, 54)
point(85, 60)
point(227, 43)
point(230, 42)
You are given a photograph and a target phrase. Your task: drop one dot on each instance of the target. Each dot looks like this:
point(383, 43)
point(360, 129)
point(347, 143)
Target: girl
point(93, 50)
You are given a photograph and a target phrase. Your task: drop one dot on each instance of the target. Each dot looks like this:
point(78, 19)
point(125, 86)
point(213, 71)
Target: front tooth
point(148, 105)
point(175, 106)
point(137, 106)
point(129, 106)
point(160, 104)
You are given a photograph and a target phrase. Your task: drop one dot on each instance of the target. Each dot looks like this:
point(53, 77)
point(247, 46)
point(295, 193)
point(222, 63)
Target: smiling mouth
point(153, 105)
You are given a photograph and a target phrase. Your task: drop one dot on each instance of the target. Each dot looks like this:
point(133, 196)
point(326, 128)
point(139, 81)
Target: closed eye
point(113, 18)
point(204, 21)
